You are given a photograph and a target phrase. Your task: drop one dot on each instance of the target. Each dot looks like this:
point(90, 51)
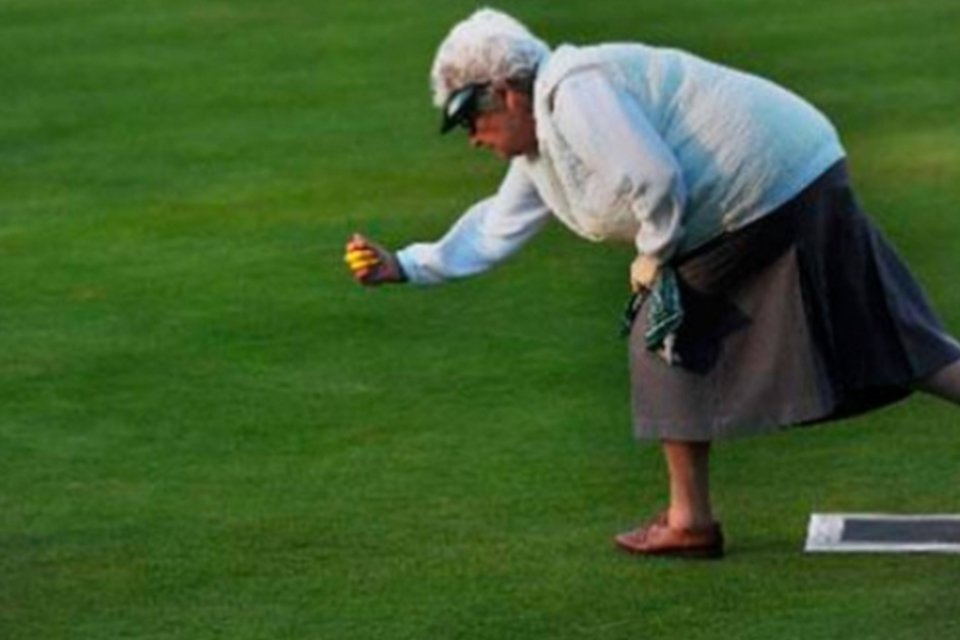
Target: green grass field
point(208, 431)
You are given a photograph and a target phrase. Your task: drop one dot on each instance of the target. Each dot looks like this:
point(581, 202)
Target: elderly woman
point(764, 297)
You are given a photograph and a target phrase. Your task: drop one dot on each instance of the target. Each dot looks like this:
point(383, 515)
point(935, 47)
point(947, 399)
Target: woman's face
point(508, 130)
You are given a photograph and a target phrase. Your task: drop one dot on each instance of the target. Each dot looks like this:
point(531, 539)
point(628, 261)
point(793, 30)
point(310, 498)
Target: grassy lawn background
point(207, 431)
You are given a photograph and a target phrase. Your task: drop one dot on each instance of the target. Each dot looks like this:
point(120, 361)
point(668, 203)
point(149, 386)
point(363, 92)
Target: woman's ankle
point(690, 519)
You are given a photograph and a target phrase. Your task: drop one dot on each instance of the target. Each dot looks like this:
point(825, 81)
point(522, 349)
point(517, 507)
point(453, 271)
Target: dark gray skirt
point(804, 316)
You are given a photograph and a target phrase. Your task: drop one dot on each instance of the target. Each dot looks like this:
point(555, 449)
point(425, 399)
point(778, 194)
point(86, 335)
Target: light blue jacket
point(640, 144)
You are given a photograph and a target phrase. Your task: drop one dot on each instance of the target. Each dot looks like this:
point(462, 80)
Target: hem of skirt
point(725, 429)
point(858, 402)
point(843, 406)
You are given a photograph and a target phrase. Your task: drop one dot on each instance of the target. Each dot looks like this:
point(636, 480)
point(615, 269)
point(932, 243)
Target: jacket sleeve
point(488, 233)
point(625, 157)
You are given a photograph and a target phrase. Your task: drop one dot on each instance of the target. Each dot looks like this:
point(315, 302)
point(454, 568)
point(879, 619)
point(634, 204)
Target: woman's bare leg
point(945, 383)
point(690, 530)
point(688, 464)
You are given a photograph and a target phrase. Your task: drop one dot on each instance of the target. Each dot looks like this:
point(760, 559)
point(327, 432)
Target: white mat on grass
point(883, 533)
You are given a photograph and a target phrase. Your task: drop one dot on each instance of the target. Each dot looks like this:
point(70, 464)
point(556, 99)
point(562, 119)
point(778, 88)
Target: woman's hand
point(643, 273)
point(370, 263)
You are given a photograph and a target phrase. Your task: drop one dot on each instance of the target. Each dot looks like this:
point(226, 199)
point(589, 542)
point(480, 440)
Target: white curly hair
point(489, 46)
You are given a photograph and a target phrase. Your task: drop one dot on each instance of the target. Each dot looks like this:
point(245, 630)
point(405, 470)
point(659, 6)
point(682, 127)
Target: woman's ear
point(516, 100)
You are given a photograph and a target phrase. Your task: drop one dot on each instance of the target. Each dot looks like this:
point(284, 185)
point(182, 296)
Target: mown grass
point(207, 431)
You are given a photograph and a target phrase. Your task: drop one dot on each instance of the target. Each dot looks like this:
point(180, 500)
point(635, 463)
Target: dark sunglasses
point(464, 104)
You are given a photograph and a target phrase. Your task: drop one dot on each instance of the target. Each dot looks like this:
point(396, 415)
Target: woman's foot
point(658, 538)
